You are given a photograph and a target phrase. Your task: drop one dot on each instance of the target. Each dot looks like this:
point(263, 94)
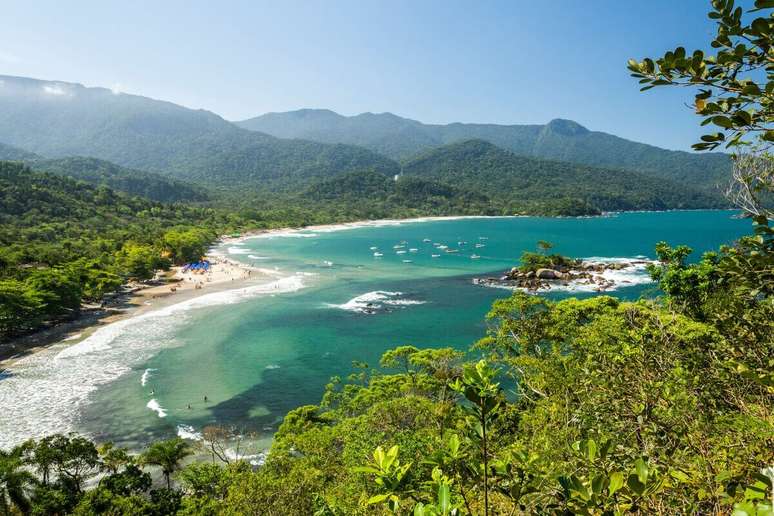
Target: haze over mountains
point(166, 152)
point(57, 119)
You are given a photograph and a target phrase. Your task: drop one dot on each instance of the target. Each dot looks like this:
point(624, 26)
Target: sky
point(509, 62)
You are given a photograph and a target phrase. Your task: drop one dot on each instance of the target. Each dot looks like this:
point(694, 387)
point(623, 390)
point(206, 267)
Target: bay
point(255, 357)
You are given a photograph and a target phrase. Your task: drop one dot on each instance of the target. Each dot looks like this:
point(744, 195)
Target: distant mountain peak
point(566, 127)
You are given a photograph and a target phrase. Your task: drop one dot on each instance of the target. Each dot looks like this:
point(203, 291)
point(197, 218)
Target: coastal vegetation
point(532, 262)
point(66, 242)
point(579, 406)
point(594, 406)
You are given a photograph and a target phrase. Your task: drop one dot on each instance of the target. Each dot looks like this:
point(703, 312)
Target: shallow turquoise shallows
point(258, 358)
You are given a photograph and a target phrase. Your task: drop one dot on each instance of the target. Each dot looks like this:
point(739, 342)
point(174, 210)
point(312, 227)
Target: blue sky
point(436, 61)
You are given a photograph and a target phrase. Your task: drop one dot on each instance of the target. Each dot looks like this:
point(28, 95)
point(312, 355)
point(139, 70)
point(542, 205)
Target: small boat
point(426, 240)
point(483, 238)
point(480, 245)
point(373, 248)
point(399, 246)
point(436, 244)
point(474, 257)
point(327, 263)
point(413, 250)
point(452, 250)
point(443, 247)
point(462, 242)
point(435, 255)
point(400, 252)
point(378, 255)
point(407, 261)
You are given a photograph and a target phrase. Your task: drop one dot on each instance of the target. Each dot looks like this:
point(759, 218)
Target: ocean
point(260, 351)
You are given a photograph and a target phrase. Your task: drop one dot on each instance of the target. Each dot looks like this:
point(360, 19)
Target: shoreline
point(142, 298)
point(166, 289)
point(342, 226)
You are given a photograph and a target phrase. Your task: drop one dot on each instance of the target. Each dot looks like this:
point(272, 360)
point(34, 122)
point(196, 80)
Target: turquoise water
point(260, 357)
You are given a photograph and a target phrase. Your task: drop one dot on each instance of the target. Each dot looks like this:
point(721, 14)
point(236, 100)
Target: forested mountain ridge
point(59, 119)
point(239, 167)
point(514, 180)
point(564, 140)
point(133, 182)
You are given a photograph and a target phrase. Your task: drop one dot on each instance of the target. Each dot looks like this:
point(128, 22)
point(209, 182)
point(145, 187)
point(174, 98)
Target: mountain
point(564, 140)
point(59, 119)
point(133, 182)
point(372, 195)
point(517, 181)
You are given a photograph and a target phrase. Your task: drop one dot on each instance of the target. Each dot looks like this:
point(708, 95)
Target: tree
point(167, 455)
point(75, 458)
point(736, 85)
point(140, 261)
point(478, 387)
point(544, 246)
point(15, 483)
point(58, 289)
point(20, 307)
point(187, 246)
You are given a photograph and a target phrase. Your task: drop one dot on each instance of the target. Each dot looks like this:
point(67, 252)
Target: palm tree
point(14, 482)
point(167, 455)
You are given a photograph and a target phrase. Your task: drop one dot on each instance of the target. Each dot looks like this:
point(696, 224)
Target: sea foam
point(45, 390)
point(155, 407)
point(370, 302)
point(145, 376)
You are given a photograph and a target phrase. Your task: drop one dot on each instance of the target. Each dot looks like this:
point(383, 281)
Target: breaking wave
point(377, 300)
point(46, 390)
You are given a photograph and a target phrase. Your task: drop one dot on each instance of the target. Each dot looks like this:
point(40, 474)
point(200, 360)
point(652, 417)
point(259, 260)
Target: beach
point(167, 288)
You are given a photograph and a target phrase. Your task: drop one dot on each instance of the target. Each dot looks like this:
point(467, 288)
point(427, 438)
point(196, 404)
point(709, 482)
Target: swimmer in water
point(205, 399)
point(189, 406)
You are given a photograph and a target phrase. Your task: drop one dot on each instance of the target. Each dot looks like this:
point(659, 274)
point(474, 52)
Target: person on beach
point(205, 399)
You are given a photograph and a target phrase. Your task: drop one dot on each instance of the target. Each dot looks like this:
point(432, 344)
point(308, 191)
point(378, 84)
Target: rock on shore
point(594, 274)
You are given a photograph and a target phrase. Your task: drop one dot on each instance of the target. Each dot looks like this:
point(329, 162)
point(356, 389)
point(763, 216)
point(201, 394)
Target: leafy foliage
point(735, 85)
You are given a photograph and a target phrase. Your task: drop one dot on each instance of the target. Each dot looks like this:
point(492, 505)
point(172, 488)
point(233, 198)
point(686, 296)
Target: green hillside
point(64, 241)
point(58, 119)
point(564, 140)
point(370, 195)
point(517, 181)
point(133, 182)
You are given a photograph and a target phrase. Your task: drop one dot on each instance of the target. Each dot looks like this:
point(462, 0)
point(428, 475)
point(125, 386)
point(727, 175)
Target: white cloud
point(55, 89)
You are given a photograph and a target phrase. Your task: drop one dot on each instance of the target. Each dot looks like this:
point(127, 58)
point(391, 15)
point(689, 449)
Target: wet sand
point(169, 287)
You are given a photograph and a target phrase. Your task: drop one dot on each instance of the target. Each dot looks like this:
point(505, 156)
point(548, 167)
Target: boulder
point(547, 274)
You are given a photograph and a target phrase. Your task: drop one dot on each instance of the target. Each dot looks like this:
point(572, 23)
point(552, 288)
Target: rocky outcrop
point(590, 273)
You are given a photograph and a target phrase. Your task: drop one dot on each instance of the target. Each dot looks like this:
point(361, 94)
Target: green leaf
point(591, 449)
point(444, 499)
point(598, 484)
point(722, 121)
point(635, 485)
point(642, 470)
point(377, 499)
point(616, 482)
